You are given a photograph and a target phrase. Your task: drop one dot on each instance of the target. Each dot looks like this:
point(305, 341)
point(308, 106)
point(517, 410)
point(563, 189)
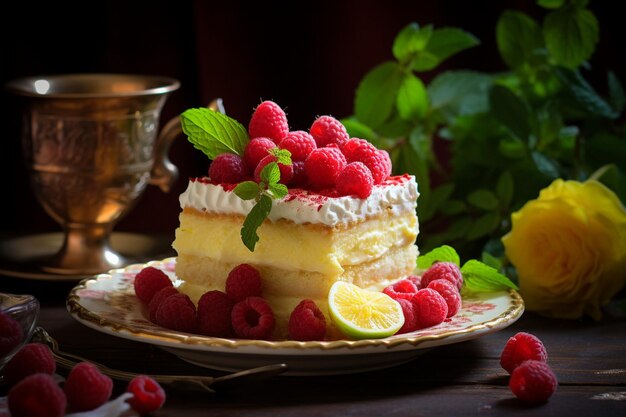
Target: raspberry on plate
point(328, 130)
point(443, 270)
point(286, 171)
point(214, 310)
point(268, 120)
point(403, 288)
point(533, 381)
point(521, 347)
point(243, 281)
point(37, 395)
point(449, 292)
point(148, 395)
point(157, 299)
point(253, 318)
point(148, 281)
point(410, 316)
point(430, 307)
point(31, 359)
point(177, 312)
point(307, 322)
point(323, 166)
point(228, 168)
point(86, 388)
point(257, 149)
point(355, 179)
point(11, 334)
point(299, 143)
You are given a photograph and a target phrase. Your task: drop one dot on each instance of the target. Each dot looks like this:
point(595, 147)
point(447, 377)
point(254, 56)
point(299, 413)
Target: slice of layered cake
point(325, 210)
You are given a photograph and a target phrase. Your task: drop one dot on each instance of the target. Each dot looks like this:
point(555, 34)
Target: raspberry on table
point(403, 288)
point(521, 347)
point(31, 359)
point(228, 168)
point(299, 143)
point(177, 312)
point(430, 307)
point(257, 149)
point(11, 334)
point(148, 395)
point(533, 381)
point(326, 130)
point(268, 120)
point(253, 318)
point(355, 179)
point(323, 165)
point(307, 322)
point(449, 292)
point(37, 395)
point(286, 171)
point(243, 281)
point(157, 299)
point(410, 317)
point(443, 270)
point(148, 281)
point(86, 388)
point(214, 310)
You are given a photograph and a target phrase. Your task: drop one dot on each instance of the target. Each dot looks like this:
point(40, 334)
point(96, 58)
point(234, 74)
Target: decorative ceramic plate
point(107, 303)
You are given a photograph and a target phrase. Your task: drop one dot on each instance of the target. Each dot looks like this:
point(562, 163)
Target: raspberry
point(377, 161)
point(355, 179)
point(443, 270)
point(401, 289)
point(37, 395)
point(32, 358)
point(148, 281)
point(449, 292)
point(243, 281)
point(326, 130)
point(299, 175)
point(521, 347)
point(253, 318)
point(533, 381)
point(416, 280)
point(323, 166)
point(268, 120)
point(148, 395)
point(86, 388)
point(11, 334)
point(228, 168)
point(410, 317)
point(355, 148)
point(214, 309)
point(257, 149)
point(430, 307)
point(177, 312)
point(157, 299)
point(307, 322)
point(286, 171)
point(299, 143)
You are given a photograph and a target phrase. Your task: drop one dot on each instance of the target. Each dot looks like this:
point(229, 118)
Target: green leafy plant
point(509, 133)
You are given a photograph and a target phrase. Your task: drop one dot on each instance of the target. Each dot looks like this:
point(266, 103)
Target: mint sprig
point(263, 192)
point(477, 276)
point(213, 132)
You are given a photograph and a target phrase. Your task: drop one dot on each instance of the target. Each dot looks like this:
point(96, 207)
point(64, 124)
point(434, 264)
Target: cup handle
point(164, 172)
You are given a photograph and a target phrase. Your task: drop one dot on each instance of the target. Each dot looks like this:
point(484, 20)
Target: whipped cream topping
point(398, 194)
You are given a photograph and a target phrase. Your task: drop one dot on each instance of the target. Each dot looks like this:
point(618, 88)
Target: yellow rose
point(569, 249)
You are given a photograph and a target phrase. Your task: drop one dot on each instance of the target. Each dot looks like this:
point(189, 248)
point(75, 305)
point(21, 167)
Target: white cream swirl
point(398, 194)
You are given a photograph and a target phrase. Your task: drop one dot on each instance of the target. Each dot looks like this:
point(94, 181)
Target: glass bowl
point(18, 317)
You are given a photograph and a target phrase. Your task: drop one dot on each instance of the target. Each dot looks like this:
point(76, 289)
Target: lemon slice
point(363, 314)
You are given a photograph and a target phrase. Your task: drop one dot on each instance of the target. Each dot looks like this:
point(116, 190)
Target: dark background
point(306, 56)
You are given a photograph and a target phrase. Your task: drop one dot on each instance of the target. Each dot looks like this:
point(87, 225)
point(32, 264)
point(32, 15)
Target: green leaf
point(424, 61)
point(438, 197)
point(278, 190)
point(412, 100)
point(444, 43)
point(511, 111)
point(545, 165)
point(584, 95)
point(214, 133)
point(490, 260)
point(270, 174)
point(460, 92)
point(616, 92)
point(505, 188)
point(550, 4)
point(283, 156)
point(254, 220)
point(483, 198)
point(484, 225)
point(478, 277)
point(571, 35)
point(247, 190)
point(452, 207)
point(357, 129)
point(443, 253)
point(411, 39)
point(519, 39)
point(512, 147)
point(376, 94)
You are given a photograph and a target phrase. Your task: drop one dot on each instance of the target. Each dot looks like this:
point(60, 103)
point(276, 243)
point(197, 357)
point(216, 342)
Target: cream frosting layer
point(397, 194)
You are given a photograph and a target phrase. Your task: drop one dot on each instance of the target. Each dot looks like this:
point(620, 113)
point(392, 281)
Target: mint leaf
point(376, 94)
point(460, 92)
point(584, 95)
point(484, 225)
point(357, 129)
point(409, 40)
point(483, 198)
point(511, 111)
point(412, 100)
point(445, 42)
point(270, 174)
point(545, 165)
point(443, 253)
point(519, 39)
point(283, 156)
point(254, 220)
point(478, 277)
point(278, 191)
point(247, 190)
point(571, 35)
point(214, 133)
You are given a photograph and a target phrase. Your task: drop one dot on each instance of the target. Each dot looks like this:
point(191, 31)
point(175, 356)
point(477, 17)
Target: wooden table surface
point(463, 379)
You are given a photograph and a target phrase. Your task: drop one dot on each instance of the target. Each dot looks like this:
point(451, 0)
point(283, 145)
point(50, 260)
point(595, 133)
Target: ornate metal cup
point(92, 144)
